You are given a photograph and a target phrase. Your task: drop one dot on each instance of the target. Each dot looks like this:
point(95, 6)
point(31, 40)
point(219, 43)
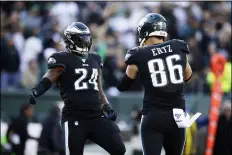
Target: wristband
point(106, 107)
point(42, 87)
point(125, 83)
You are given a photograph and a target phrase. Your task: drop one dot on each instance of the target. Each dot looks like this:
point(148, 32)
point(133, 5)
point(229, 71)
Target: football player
point(77, 72)
point(163, 69)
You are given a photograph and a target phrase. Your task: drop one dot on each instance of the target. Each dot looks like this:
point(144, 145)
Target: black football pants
point(158, 128)
point(100, 130)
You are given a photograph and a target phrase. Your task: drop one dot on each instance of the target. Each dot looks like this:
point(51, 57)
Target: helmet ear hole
point(145, 34)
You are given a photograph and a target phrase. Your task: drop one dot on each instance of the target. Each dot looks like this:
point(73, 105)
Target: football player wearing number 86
point(87, 113)
point(164, 70)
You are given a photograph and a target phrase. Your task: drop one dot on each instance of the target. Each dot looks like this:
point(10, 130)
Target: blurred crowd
point(50, 138)
point(32, 31)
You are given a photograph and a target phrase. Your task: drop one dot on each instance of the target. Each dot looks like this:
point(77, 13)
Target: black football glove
point(32, 97)
point(109, 112)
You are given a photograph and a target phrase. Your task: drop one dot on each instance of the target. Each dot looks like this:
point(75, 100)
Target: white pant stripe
point(66, 138)
point(141, 121)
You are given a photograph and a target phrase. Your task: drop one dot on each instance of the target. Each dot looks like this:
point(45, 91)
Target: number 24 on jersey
point(80, 85)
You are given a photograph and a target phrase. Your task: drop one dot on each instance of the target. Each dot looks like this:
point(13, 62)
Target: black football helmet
point(153, 24)
point(77, 38)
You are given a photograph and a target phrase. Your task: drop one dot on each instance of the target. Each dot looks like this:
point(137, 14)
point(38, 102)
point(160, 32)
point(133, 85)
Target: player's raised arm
point(55, 69)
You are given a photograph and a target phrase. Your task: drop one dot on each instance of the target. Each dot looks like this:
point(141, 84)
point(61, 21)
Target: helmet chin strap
point(142, 42)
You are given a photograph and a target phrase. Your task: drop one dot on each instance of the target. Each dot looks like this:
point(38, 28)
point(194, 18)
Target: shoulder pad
point(98, 57)
point(56, 60)
point(53, 58)
point(182, 45)
point(130, 55)
point(94, 54)
point(180, 41)
point(54, 55)
point(58, 54)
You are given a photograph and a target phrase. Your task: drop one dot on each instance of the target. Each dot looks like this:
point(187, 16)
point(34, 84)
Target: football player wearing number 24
point(164, 70)
point(87, 113)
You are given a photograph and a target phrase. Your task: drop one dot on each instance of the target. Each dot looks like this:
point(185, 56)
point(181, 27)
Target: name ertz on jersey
point(160, 50)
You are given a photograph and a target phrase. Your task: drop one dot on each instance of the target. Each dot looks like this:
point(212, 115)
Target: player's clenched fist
point(110, 113)
point(32, 97)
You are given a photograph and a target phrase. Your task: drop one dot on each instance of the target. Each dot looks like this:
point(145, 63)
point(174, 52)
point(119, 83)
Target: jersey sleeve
point(55, 61)
point(182, 45)
point(130, 57)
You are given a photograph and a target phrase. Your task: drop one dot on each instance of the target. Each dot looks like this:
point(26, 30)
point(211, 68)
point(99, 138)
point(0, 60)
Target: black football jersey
point(161, 70)
point(78, 84)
